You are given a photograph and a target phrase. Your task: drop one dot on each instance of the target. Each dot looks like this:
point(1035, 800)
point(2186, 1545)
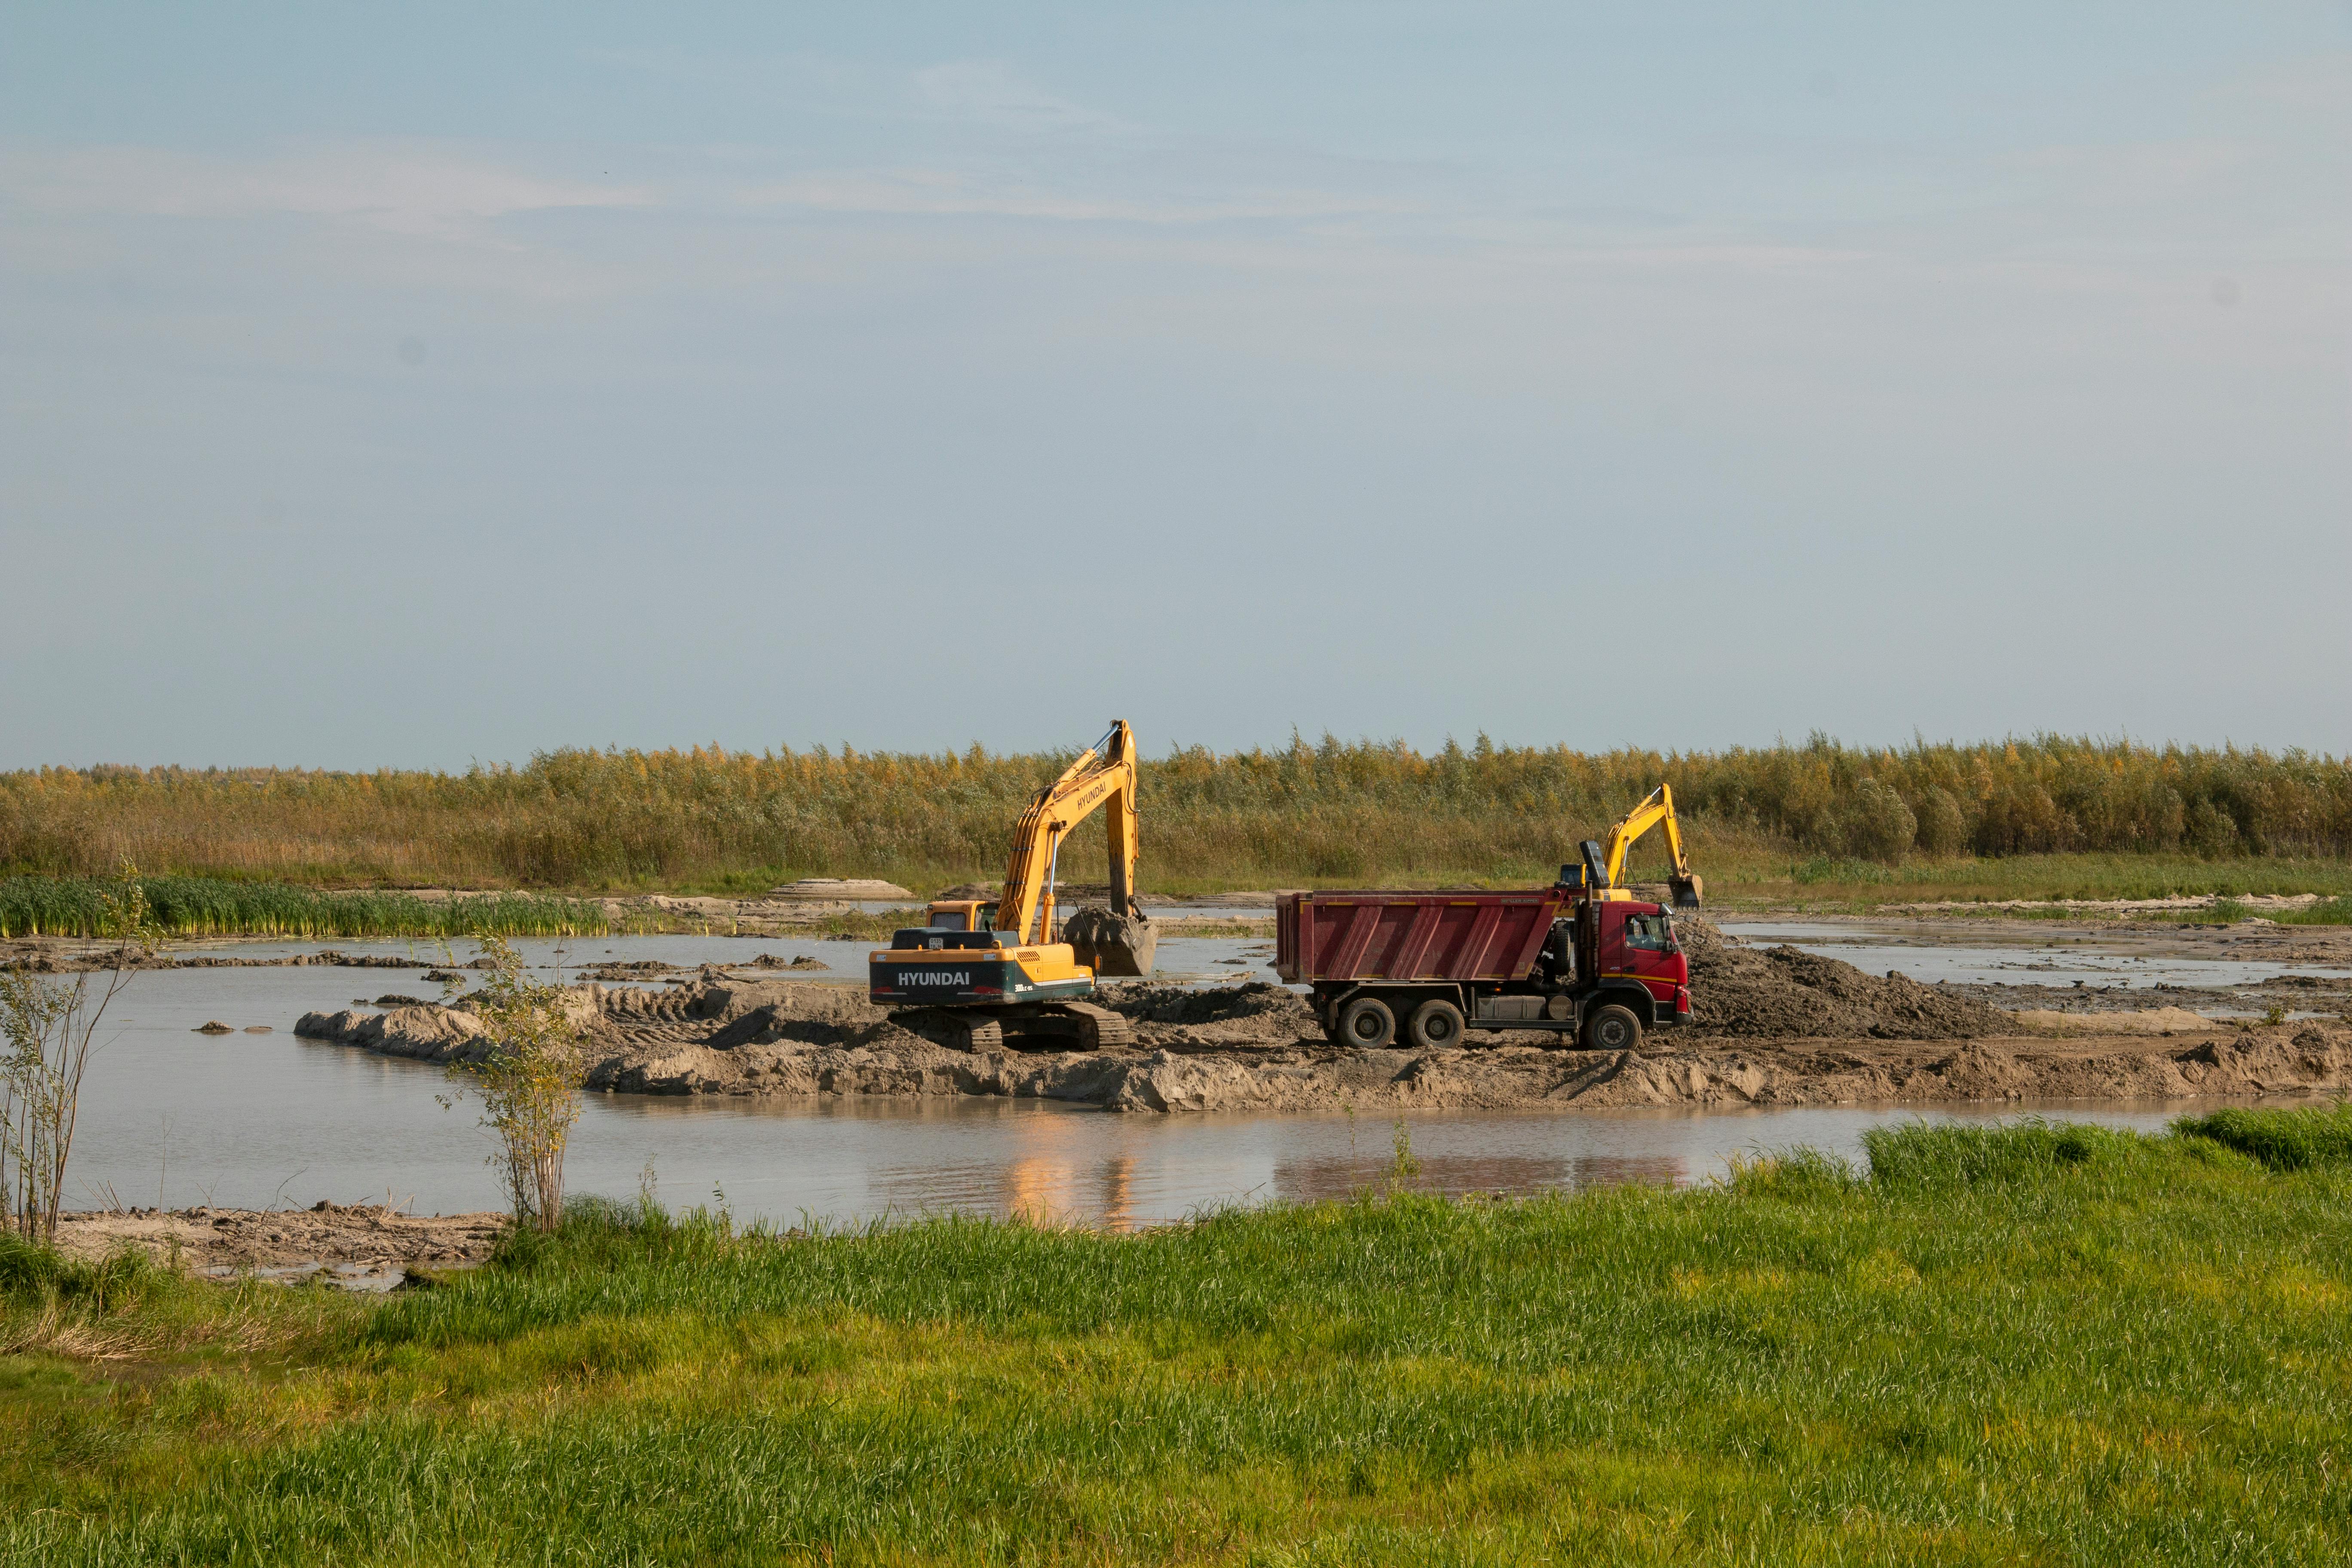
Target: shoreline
point(359, 1246)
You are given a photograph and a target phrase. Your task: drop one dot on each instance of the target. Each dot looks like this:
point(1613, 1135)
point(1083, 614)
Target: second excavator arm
point(1658, 807)
point(1103, 776)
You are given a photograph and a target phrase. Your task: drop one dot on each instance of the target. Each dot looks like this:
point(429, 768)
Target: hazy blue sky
point(407, 385)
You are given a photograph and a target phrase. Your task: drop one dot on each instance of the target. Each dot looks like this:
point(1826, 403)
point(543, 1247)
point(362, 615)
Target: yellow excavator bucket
point(1114, 946)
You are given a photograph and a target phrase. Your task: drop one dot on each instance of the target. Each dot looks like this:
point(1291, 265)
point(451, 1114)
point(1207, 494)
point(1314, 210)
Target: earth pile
point(1780, 993)
point(1254, 1013)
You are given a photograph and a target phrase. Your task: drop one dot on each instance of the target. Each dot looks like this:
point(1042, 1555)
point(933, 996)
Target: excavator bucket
point(1114, 946)
point(1686, 890)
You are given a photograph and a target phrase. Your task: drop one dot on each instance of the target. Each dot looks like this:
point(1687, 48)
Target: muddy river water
point(172, 1117)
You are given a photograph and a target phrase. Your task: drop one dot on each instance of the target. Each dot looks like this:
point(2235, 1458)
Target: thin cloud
point(402, 190)
point(943, 194)
point(992, 90)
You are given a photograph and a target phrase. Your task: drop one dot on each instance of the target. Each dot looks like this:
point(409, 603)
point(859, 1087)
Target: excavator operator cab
point(961, 914)
point(1591, 879)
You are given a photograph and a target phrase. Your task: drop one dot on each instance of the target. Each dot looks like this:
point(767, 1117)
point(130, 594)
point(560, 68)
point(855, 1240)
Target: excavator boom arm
point(1659, 808)
point(1102, 778)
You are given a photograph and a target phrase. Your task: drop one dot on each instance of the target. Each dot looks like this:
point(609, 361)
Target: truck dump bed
point(1450, 936)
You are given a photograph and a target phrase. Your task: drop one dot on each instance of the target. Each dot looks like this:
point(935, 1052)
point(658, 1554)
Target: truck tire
point(1612, 1029)
point(1436, 1025)
point(1366, 1023)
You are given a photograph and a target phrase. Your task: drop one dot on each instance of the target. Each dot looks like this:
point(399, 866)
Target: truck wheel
point(1612, 1029)
point(1367, 1022)
point(1436, 1023)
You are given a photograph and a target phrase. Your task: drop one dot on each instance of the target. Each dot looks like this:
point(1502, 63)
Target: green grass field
point(2036, 1344)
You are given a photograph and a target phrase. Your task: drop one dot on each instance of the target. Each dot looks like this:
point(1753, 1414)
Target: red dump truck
point(1424, 966)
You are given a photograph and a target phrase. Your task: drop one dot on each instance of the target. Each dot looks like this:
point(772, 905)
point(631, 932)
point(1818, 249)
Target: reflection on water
point(1631, 1170)
point(1314, 1179)
point(1317, 1179)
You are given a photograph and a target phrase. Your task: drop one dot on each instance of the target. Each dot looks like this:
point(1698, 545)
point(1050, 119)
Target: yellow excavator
point(980, 968)
point(1603, 871)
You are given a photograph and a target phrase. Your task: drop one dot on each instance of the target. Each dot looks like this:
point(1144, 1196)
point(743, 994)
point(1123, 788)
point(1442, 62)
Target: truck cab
point(1623, 945)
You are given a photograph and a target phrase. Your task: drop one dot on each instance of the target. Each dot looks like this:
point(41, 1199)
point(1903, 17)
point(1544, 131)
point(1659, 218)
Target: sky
point(418, 385)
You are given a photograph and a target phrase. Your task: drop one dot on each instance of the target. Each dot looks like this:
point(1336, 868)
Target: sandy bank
point(353, 1241)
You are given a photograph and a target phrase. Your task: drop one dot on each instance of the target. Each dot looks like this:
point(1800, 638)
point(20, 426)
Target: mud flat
point(360, 1244)
point(1777, 1027)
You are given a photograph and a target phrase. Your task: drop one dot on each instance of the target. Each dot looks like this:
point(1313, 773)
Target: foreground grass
point(2037, 1344)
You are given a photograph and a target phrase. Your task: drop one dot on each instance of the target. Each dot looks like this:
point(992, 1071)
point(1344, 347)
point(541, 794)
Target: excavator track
point(1100, 1028)
point(1044, 1025)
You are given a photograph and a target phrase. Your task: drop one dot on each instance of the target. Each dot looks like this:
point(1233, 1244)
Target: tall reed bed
point(204, 906)
point(1305, 812)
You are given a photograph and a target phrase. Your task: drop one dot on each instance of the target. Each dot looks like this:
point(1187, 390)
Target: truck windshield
point(1655, 933)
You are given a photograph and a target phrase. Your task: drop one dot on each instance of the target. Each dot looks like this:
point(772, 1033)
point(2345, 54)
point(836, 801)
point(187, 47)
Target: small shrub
point(1943, 826)
point(2209, 830)
point(1878, 825)
point(1404, 1166)
point(527, 1080)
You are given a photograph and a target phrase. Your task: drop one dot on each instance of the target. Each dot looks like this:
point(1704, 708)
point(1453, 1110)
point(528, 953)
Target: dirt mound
point(1180, 1004)
point(723, 1013)
point(1780, 993)
point(846, 888)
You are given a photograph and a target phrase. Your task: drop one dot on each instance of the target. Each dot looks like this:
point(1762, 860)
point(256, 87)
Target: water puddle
point(177, 1118)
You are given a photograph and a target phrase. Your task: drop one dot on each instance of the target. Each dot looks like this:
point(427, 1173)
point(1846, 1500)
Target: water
point(1925, 957)
point(1182, 959)
point(174, 1118)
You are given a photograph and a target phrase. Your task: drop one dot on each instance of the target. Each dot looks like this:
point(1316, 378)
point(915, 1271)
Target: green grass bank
point(194, 907)
point(2036, 1343)
point(208, 906)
